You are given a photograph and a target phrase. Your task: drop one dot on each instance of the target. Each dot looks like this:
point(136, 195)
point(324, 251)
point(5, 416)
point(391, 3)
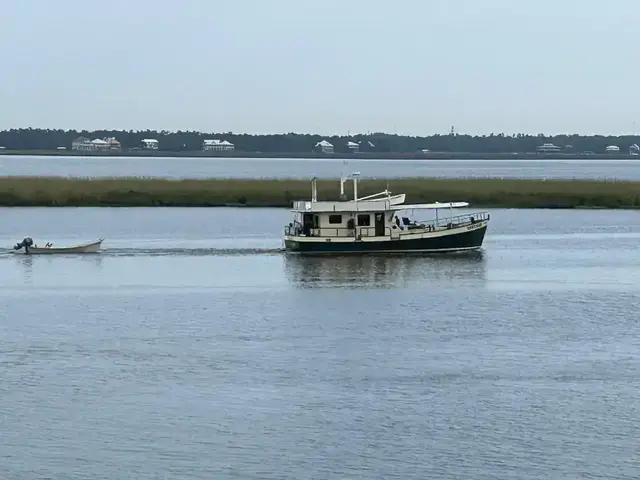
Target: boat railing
point(336, 232)
point(456, 221)
point(341, 232)
point(292, 230)
point(444, 223)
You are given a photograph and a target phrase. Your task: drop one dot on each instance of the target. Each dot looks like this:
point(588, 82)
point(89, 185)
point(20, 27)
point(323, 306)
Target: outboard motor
point(26, 243)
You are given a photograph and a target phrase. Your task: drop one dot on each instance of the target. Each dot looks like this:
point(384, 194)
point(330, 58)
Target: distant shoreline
point(144, 192)
point(336, 156)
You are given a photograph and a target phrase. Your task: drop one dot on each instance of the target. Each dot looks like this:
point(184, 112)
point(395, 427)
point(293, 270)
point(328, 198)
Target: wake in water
point(125, 252)
point(226, 252)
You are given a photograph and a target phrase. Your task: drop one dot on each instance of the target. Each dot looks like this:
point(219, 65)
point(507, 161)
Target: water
point(307, 168)
point(171, 355)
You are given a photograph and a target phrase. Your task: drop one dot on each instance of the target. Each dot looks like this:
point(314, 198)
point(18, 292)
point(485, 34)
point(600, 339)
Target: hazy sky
point(327, 66)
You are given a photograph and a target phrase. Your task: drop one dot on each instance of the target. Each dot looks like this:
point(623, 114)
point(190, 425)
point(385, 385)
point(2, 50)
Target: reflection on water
point(26, 262)
point(56, 260)
point(383, 271)
point(55, 268)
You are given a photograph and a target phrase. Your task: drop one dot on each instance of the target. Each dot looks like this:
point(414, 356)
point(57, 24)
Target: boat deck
point(403, 229)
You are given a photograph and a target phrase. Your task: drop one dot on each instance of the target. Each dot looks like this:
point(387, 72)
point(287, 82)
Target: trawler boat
point(375, 224)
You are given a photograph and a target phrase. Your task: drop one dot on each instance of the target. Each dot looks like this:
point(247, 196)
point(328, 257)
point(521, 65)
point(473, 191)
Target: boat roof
point(368, 206)
point(430, 206)
point(378, 202)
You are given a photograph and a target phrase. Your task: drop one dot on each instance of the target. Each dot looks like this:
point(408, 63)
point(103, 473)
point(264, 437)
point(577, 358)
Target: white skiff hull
point(93, 247)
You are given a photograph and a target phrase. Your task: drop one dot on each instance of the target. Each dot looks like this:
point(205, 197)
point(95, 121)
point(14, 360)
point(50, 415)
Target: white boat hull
point(93, 247)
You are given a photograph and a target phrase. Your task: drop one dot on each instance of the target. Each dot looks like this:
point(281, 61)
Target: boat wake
point(229, 252)
point(190, 252)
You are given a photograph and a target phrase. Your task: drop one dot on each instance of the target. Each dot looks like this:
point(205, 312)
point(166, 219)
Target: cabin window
point(364, 220)
point(333, 219)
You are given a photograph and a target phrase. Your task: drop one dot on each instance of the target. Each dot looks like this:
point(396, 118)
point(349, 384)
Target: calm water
point(186, 351)
point(307, 168)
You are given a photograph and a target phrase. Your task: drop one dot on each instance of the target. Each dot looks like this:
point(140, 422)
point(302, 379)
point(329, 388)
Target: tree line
point(47, 139)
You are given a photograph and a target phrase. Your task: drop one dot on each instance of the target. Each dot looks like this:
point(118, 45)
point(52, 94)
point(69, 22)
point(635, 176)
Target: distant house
point(217, 146)
point(367, 145)
point(81, 143)
point(84, 144)
point(634, 149)
point(149, 144)
point(353, 147)
point(612, 149)
point(112, 143)
point(324, 146)
point(99, 144)
point(548, 147)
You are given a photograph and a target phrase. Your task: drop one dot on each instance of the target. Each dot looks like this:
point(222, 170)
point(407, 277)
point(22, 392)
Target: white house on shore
point(99, 144)
point(324, 146)
point(353, 147)
point(217, 146)
point(84, 144)
point(81, 143)
point(149, 144)
point(612, 149)
point(548, 147)
point(634, 149)
point(112, 143)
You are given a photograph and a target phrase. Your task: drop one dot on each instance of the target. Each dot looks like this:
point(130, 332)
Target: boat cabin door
point(379, 224)
point(309, 221)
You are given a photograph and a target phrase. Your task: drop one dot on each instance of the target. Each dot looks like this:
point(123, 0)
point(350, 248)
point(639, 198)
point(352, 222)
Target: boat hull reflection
point(384, 270)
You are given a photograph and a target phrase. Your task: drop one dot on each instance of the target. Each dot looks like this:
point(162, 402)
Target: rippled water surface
point(190, 349)
point(306, 168)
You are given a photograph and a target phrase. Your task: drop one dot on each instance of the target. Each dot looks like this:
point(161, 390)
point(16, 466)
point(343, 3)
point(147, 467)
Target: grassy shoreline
point(147, 192)
point(316, 155)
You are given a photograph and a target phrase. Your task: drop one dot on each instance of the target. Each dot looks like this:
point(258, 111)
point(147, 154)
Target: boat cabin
point(344, 224)
point(377, 215)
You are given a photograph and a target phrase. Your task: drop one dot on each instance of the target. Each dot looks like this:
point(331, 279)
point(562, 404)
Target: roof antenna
point(343, 178)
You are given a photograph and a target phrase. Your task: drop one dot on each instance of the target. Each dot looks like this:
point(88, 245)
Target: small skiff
point(31, 249)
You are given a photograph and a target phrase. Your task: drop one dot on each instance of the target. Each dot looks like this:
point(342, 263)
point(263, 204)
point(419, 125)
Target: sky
point(412, 67)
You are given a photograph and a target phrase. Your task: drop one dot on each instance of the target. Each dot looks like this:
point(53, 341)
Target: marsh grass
point(144, 192)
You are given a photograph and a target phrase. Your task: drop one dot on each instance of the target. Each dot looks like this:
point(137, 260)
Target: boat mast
point(342, 196)
point(314, 190)
point(355, 175)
